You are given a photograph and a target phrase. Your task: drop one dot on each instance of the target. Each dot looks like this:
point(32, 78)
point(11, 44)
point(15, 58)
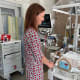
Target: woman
point(33, 53)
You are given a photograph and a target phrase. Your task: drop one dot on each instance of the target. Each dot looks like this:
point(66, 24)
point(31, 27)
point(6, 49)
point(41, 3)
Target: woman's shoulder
point(31, 31)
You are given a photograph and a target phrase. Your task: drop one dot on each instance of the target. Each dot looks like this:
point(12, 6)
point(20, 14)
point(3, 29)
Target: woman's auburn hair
point(30, 17)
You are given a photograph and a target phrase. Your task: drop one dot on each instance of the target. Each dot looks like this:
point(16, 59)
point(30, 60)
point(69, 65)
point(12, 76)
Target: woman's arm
point(47, 62)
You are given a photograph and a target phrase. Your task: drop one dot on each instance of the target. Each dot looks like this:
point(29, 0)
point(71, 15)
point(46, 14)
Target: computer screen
point(46, 23)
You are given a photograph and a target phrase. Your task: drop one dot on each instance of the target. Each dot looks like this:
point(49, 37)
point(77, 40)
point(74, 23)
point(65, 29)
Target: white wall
point(47, 4)
point(26, 4)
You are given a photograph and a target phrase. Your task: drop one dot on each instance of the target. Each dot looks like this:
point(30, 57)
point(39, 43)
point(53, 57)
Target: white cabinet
point(10, 58)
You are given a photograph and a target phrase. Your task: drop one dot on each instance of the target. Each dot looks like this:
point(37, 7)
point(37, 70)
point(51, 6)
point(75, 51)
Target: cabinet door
point(12, 63)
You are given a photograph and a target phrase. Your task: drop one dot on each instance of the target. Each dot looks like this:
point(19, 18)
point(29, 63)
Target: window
point(6, 11)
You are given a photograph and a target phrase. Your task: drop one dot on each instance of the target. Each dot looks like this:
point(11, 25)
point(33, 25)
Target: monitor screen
point(46, 23)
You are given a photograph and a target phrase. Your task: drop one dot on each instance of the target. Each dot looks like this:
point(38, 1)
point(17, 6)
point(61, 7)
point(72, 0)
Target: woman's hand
point(51, 65)
point(79, 67)
point(47, 62)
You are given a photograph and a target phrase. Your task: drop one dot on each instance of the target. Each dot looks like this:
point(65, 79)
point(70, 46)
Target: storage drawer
point(11, 48)
point(12, 62)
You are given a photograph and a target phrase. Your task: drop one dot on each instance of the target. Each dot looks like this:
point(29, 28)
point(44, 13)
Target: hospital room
point(39, 40)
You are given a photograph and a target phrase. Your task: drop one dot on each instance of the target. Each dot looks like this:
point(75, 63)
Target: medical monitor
point(46, 23)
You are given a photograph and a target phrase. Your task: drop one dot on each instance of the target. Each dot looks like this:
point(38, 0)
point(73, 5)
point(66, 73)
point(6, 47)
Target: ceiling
point(64, 2)
point(16, 1)
point(58, 2)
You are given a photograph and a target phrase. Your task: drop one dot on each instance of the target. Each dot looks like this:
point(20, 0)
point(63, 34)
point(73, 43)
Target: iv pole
point(75, 41)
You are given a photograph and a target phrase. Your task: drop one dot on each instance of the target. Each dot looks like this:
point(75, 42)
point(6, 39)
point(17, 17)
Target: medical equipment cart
point(10, 58)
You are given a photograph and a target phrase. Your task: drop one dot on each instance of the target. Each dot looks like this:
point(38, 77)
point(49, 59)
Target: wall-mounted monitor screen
point(46, 23)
